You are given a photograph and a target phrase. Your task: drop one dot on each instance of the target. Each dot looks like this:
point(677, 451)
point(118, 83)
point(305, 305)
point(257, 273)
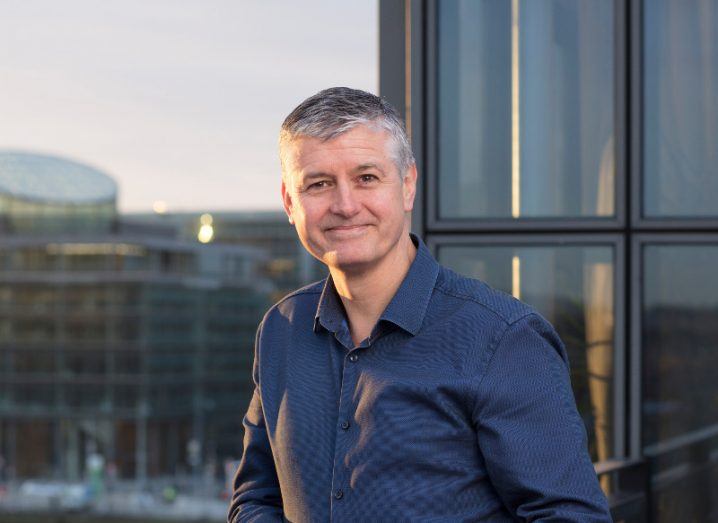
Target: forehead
point(359, 145)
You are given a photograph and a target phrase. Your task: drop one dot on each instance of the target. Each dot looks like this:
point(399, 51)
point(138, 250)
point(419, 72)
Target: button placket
point(349, 380)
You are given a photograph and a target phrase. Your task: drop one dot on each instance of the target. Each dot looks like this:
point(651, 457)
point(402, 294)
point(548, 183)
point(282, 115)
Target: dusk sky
point(179, 101)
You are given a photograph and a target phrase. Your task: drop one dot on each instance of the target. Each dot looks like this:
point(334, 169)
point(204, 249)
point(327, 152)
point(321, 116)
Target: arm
point(256, 497)
point(529, 430)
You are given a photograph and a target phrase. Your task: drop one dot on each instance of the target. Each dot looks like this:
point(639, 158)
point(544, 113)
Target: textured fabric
point(457, 407)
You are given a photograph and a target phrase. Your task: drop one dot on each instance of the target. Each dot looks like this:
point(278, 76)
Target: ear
point(409, 187)
point(287, 201)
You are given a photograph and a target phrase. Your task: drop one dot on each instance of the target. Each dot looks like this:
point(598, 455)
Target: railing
point(625, 483)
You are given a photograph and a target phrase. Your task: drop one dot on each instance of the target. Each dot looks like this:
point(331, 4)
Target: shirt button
point(345, 424)
point(339, 494)
point(353, 357)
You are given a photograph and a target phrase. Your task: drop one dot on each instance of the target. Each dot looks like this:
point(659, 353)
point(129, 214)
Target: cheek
point(389, 206)
point(308, 215)
point(312, 217)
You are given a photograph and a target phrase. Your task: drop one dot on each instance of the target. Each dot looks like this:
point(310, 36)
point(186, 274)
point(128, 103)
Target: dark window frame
point(637, 145)
point(638, 355)
point(424, 49)
point(418, 85)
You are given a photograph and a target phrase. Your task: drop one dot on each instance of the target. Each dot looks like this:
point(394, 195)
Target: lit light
point(279, 265)
point(515, 117)
point(159, 207)
point(516, 277)
point(206, 233)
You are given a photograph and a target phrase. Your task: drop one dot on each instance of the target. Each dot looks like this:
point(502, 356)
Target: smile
point(346, 227)
point(347, 230)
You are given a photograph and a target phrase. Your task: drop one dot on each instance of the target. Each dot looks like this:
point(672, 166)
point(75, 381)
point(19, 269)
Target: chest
point(404, 391)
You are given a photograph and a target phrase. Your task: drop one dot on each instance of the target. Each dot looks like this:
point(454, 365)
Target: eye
point(317, 185)
point(368, 178)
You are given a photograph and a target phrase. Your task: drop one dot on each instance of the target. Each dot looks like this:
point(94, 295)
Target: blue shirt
point(457, 407)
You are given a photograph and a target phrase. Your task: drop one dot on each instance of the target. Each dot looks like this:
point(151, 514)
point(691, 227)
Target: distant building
point(288, 265)
point(43, 194)
point(115, 337)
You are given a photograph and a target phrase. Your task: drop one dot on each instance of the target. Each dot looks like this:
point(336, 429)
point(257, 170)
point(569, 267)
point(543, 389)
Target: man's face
point(346, 198)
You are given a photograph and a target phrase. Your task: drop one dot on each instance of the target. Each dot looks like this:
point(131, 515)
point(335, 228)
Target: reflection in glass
point(572, 287)
point(680, 340)
point(525, 103)
point(680, 392)
point(680, 116)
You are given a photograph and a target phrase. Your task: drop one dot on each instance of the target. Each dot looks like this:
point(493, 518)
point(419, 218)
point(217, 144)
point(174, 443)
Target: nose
point(345, 202)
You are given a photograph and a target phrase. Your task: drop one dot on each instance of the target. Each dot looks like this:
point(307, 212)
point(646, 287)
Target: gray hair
point(336, 110)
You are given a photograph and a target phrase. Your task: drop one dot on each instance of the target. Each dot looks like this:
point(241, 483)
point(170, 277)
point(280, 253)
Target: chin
point(351, 260)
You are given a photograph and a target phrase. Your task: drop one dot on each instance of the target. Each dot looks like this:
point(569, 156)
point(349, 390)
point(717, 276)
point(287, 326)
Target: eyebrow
point(367, 166)
point(319, 174)
point(362, 167)
point(314, 175)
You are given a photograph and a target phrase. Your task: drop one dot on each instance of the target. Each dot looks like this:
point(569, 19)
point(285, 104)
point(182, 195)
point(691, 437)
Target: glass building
point(117, 339)
point(288, 264)
point(568, 154)
point(42, 194)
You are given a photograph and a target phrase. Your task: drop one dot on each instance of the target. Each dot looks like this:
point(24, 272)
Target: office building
point(567, 154)
point(119, 340)
point(288, 265)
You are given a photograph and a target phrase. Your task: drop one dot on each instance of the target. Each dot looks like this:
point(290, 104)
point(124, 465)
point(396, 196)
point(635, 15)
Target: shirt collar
point(406, 309)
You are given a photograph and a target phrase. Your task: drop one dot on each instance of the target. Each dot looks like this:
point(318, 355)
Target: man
point(397, 390)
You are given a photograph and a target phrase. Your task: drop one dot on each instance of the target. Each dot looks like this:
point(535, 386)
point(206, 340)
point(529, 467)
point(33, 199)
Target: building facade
point(117, 339)
point(567, 154)
point(288, 264)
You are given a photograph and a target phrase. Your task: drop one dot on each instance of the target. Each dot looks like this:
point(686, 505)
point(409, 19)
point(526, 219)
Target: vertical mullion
point(431, 171)
point(633, 201)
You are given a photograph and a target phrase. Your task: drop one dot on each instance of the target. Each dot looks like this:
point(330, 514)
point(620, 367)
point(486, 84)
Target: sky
point(179, 101)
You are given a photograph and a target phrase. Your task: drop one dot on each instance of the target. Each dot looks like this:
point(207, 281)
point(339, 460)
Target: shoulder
point(481, 298)
point(308, 292)
point(489, 321)
point(516, 324)
point(301, 302)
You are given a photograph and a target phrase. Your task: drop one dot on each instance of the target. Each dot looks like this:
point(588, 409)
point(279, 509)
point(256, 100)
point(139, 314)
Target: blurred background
point(142, 238)
point(567, 153)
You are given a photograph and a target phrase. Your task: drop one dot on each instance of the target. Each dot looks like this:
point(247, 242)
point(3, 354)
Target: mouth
point(346, 227)
point(347, 230)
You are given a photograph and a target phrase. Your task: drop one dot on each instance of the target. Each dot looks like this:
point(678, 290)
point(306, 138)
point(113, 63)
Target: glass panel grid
point(525, 109)
point(680, 109)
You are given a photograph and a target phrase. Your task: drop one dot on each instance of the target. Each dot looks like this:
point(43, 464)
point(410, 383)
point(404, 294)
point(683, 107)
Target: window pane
point(525, 123)
point(38, 396)
point(680, 116)
point(573, 287)
point(680, 340)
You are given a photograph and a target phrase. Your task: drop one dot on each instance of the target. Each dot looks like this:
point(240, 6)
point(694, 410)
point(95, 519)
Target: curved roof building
point(48, 193)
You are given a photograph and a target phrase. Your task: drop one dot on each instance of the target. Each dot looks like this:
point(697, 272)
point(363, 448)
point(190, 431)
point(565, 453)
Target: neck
point(365, 294)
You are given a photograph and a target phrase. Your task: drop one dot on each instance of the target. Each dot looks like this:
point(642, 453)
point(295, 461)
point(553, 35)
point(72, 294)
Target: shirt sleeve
point(529, 430)
point(256, 497)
